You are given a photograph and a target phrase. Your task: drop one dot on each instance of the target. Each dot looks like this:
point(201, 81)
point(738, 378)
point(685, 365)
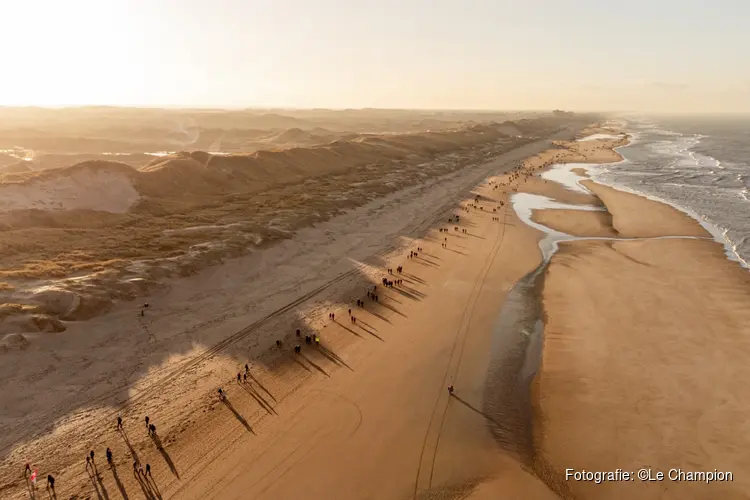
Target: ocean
point(700, 165)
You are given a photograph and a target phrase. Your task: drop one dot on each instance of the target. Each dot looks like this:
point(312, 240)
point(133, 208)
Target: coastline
point(373, 403)
point(627, 326)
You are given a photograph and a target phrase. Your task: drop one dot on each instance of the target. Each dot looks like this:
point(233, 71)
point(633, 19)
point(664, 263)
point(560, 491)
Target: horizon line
point(179, 107)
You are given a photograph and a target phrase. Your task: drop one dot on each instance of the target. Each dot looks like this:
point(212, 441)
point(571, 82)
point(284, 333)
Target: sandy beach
point(651, 335)
point(367, 414)
point(336, 401)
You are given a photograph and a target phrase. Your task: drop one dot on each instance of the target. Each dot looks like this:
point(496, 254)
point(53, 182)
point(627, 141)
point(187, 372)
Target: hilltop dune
point(114, 187)
point(300, 137)
point(88, 186)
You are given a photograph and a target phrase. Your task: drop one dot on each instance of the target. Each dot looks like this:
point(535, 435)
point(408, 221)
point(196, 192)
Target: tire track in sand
point(426, 466)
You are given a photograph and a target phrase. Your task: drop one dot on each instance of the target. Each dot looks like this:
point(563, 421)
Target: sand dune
point(16, 168)
point(298, 136)
point(182, 212)
point(83, 187)
point(133, 130)
point(266, 294)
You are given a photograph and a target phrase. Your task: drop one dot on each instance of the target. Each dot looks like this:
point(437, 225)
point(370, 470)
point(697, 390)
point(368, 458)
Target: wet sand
point(577, 222)
point(644, 344)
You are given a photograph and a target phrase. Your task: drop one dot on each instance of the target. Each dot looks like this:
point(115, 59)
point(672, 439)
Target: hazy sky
point(662, 55)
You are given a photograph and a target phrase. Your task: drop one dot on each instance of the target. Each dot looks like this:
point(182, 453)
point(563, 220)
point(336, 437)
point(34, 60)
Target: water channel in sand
point(518, 335)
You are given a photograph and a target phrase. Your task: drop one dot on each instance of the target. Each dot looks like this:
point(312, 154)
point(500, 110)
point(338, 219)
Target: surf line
point(525, 203)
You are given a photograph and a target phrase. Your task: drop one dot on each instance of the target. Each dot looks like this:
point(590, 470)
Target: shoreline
point(714, 230)
point(548, 394)
point(317, 416)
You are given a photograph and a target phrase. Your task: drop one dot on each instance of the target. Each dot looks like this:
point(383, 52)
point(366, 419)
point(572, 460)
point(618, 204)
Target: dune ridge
point(179, 213)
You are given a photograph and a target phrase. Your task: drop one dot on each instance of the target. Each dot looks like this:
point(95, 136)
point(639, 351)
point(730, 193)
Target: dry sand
point(180, 213)
point(197, 334)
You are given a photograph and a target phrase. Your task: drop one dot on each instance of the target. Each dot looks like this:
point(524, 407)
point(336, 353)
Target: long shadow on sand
point(407, 280)
point(258, 398)
point(456, 251)
point(157, 441)
point(348, 329)
point(425, 262)
point(377, 315)
point(150, 484)
point(409, 293)
point(333, 357)
point(415, 278)
point(366, 329)
point(371, 332)
point(261, 386)
point(366, 324)
point(474, 409)
point(133, 453)
point(317, 367)
point(431, 256)
point(96, 482)
point(148, 492)
point(391, 299)
point(150, 481)
point(30, 489)
point(119, 484)
point(303, 365)
point(388, 306)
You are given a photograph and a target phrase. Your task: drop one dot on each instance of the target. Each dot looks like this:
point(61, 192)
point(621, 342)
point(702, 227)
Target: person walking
point(148, 470)
point(91, 454)
point(147, 421)
point(50, 482)
point(109, 456)
point(119, 422)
